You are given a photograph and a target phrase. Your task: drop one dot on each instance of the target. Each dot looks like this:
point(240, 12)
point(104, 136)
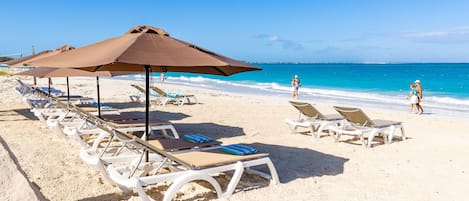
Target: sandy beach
point(39, 164)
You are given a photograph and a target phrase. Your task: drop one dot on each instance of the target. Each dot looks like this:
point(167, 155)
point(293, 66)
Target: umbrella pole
point(147, 106)
point(68, 93)
point(99, 100)
point(48, 89)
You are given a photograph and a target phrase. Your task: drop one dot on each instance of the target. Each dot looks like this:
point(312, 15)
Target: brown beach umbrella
point(19, 62)
point(145, 49)
point(146, 46)
point(47, 72)
point(44, 54)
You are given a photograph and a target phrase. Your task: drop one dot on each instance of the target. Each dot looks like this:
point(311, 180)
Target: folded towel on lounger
point(197, 138)
point(239, 149)
point(103, 106)
point(173, 95)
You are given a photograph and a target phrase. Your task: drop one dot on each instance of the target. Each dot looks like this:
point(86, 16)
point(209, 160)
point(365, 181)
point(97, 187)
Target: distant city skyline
point(335, 31)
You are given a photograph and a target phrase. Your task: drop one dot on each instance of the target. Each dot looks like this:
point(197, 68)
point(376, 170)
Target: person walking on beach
point(295, 84)
point(162, 77)
point(419, 94)
point(413, 98)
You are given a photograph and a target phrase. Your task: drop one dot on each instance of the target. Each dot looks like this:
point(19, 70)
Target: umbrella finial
point(147, 29)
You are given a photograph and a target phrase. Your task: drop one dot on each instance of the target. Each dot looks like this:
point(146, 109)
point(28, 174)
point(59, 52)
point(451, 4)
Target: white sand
point(431, 165)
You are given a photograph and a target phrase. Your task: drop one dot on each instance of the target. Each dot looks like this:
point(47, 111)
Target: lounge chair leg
point(334, 135)
point(403, 133)
point(313, 133)
point(391, 135)
point(178, 183)
point(320, 129)
point(370, 139)
point(385, 139)
point(273, 171)
point(141, 191)
point(234, 180)
point(364, 144)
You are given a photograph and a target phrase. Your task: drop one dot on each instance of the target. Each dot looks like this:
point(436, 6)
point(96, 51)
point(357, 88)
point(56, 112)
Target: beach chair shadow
point(295, 163)
point(109, 196)
point(123, 105)
point(215, 131)
point(26, 113)
point(168, 116)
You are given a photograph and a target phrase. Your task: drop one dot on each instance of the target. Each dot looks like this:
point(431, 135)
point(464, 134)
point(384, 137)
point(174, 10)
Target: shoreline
point(323, 96)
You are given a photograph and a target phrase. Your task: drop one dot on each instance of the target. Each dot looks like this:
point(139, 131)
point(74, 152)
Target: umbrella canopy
point(13, 63)
point(44, 54)
point(47, 72)
point(146, 45)
point(146, 49)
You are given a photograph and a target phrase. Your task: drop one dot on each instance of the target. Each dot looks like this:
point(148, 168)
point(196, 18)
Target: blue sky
point(255, 31)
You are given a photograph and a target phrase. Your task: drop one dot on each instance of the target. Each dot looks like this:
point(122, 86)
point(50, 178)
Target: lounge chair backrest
point(87, 116)
point(355, 116)
point(139, 88)
point(40, 93)
point(307, 110)
point(147, 146)
point(159, 91)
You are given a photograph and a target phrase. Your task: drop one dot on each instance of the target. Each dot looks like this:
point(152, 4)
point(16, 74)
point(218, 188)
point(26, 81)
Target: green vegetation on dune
point(2, 59)
point(4, 73)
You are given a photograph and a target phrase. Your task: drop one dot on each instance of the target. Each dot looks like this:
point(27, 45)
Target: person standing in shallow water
point(295, 84)
point(413, 98)
point(419, 94)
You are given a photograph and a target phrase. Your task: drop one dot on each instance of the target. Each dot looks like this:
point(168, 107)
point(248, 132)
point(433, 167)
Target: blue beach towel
point(173, 95)
point(239, 149)
point(197, 138)
point(52, 90)
point(103, 106)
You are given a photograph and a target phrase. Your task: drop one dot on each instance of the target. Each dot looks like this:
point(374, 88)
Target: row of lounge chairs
point(160, 97)
point(116, 146)
point(348, 121)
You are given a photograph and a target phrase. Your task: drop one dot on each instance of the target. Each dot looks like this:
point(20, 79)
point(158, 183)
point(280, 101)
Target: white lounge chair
point(179, 99)
point(187, 167)
point(127, 122)
point(312, 119)
point(359, 124)
point(100, 158)
point(140, 97)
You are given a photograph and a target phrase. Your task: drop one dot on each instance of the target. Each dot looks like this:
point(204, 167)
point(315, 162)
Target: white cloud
point(426, 34)
point(455, 35)
point(274, 39)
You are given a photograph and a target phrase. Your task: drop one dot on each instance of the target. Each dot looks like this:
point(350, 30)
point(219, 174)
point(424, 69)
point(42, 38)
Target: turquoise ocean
point(446, 85)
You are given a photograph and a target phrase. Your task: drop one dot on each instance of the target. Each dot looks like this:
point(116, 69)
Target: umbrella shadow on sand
point(295, 163)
